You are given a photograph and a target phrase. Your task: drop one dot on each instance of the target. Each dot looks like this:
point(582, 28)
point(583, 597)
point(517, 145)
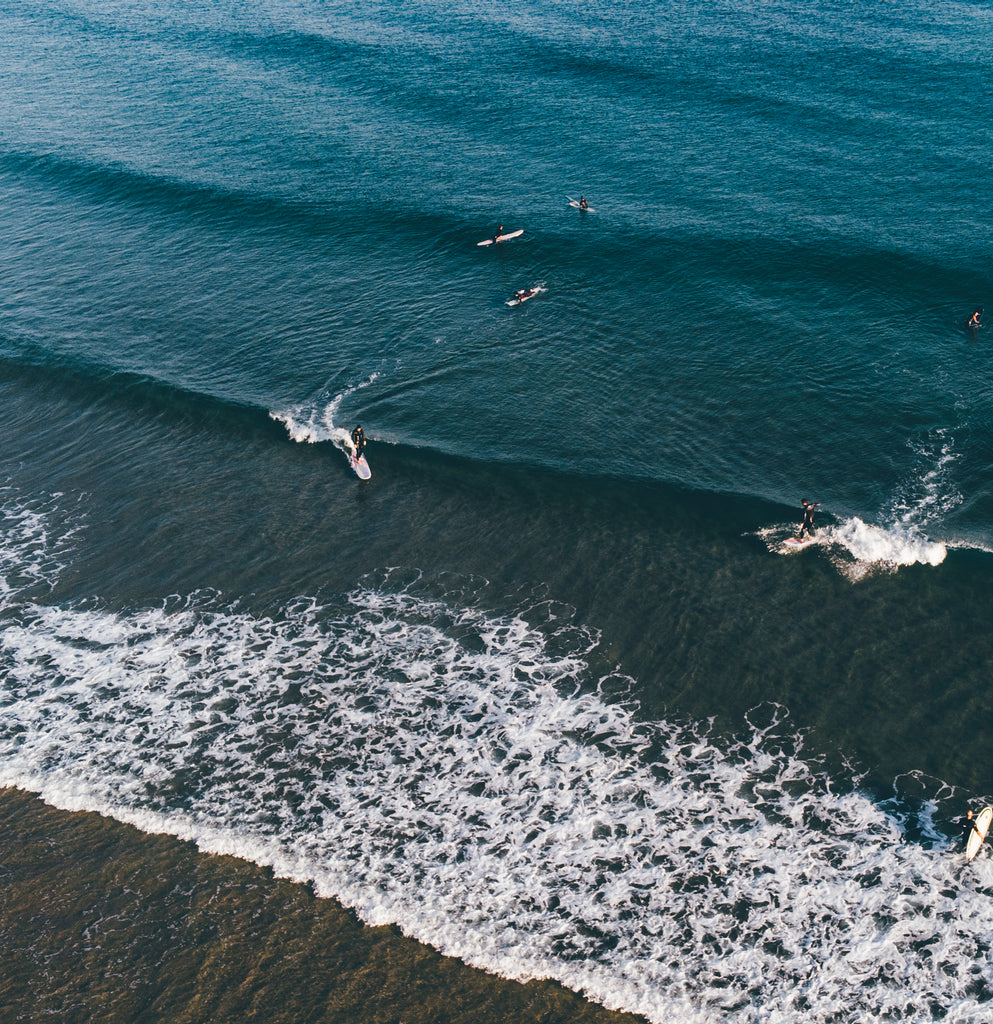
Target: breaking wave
point(462, 774)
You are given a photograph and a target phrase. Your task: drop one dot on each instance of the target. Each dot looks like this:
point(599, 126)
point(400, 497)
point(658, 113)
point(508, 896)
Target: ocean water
point(550, 692)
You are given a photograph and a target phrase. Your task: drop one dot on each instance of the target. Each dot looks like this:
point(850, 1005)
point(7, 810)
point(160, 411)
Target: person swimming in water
point(807, 526)
point(974, 323)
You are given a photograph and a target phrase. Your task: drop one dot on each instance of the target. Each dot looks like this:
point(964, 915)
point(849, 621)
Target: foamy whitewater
point(314, 421)
point(551, 691)
point(858, 549)
point(460, 775)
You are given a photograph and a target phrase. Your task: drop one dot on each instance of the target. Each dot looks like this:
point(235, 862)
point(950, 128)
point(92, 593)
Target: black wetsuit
point(358, 440)
point(808, 520)
point(968, 825)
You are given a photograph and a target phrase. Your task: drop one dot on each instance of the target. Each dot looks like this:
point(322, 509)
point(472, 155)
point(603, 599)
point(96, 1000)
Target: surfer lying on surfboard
point(500, 236)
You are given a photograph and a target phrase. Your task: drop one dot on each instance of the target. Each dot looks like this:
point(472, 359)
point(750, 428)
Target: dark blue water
point(551, 691)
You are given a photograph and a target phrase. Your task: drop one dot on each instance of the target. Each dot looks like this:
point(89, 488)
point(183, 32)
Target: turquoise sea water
point(550, 692)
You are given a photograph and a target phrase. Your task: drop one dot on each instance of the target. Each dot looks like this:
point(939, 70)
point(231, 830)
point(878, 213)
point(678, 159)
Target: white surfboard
point(529, 293)
point(361, 467)
point(502, 238)
point(799, 542)
point(579, 206)
point(983, 820)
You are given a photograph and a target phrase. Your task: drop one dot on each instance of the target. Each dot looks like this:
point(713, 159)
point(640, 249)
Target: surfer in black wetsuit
point(968, 826)
point(583, 204)
point(974, 323)
point(358, 442)
point(499, 234)
point(807, 526)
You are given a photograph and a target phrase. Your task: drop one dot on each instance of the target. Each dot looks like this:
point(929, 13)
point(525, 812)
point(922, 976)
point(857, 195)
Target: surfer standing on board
point(807, 526)
point(358, 442)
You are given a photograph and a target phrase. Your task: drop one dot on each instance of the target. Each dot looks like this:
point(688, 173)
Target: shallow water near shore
point(551, 693)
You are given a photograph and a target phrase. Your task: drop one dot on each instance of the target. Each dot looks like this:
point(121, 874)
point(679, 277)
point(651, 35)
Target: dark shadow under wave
point(144, 397)
point(117, 185)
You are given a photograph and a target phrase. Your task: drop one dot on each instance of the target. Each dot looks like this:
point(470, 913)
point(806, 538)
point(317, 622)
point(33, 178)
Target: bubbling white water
point(929, 493)
point(859, 549)
point(458, 773)
point(314, 422)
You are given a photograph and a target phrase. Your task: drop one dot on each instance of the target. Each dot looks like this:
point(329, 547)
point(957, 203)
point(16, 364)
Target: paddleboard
point(983, 820)
point(502, 238)
point(361, 467)
point(529, 293)
point(578, 206)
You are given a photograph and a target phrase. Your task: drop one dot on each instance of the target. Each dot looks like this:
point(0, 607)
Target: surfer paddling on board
point(807, 526)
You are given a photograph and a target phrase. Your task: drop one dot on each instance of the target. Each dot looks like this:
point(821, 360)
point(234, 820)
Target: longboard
point(530, 293)
point(982, 826)
point(502, 238)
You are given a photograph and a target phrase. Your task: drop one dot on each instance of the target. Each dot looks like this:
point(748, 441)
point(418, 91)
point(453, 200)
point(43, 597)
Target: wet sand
point(100, 922)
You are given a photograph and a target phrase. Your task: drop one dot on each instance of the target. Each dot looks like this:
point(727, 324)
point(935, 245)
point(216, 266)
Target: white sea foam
point(929, 492)
point(458, 773)
point(858, 549)
point(31, 554)
point(874, 547)
point(313, 422)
